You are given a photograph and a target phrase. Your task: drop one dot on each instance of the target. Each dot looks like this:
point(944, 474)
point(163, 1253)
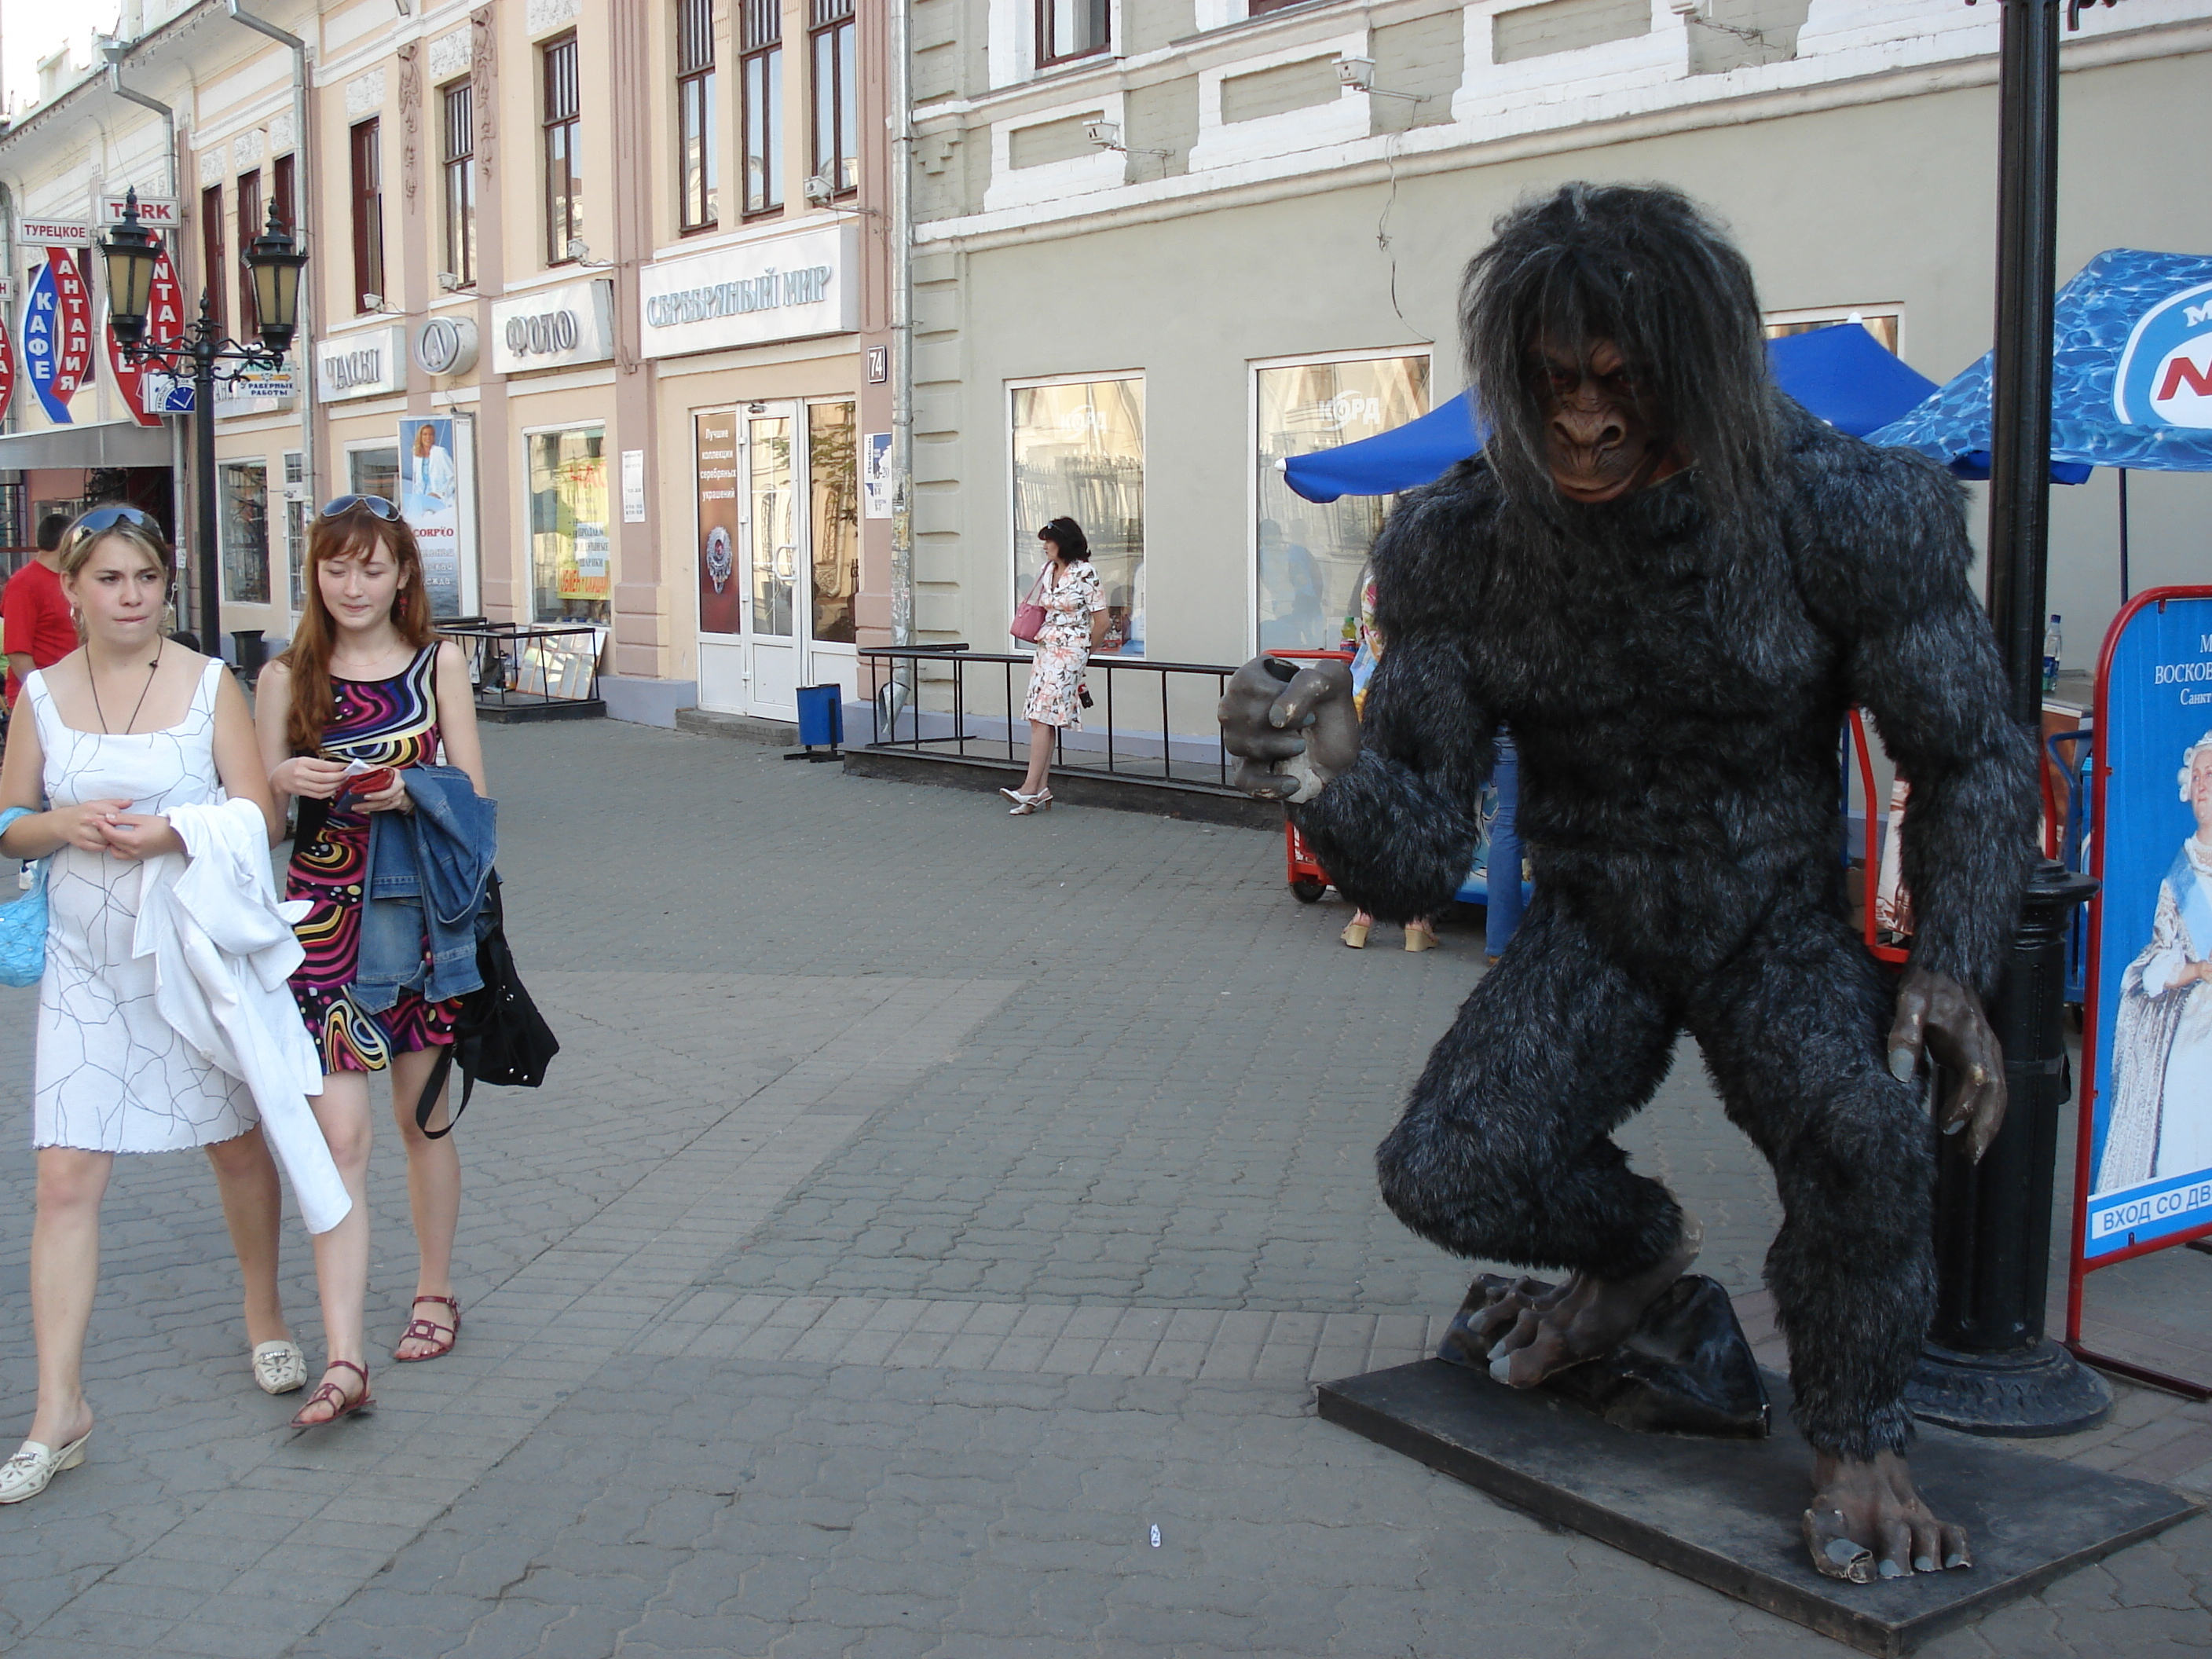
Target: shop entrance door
point(774, 527)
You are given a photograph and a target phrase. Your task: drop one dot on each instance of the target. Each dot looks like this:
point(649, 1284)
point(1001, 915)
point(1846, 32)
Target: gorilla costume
point(1669, 582)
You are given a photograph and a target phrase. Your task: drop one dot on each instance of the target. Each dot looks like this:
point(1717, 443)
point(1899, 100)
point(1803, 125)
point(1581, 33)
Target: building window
point(214, 270)
point(249, 226)
point(243, 493)
point(833, 522)
point(459, 150)
point(367, 217)
point(697, 154)
point(1067, 29)
point(374, 470)
point(1310, 557)
point(569, 575)
point(1257, 7)
point(1080, 450)
point(760, 77)
point(296, 521)
point(283, 191)
point(1883, 325)
point(836, 97)
point(564, 167)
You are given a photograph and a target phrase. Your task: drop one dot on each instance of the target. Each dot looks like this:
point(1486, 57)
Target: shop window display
point(1079, 450)
point(835, 521)
point(1310, 555)
point(570, 570)
point(374, 470)
point(243, 490)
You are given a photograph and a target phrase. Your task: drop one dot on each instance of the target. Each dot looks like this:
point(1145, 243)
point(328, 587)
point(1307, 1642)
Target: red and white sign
point(165, 320)
point(72, 324)
point(154, 212)
point(54, 233)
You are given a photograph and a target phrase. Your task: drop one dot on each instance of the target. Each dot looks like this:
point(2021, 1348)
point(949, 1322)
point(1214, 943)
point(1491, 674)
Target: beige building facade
point(1162, 245)
point(596, 292)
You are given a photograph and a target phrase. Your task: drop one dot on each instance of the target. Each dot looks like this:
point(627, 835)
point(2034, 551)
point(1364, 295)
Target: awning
point(1843, 374)
point(112, 443)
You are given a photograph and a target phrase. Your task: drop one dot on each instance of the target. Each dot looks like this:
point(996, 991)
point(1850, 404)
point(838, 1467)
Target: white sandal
point(34, 1464)
point(279, 1366)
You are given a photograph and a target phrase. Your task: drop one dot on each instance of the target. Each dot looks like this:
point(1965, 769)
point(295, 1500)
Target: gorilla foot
point(1867, 1521)
point(1534, 1329)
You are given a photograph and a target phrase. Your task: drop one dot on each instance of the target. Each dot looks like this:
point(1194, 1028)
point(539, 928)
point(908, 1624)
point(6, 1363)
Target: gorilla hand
point(1293, 725)
point(1936, 1015)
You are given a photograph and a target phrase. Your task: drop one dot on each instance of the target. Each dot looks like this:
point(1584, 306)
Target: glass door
point(776, 599)
point(833, 530)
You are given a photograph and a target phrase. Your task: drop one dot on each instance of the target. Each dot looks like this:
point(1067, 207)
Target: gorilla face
point(1603, 437)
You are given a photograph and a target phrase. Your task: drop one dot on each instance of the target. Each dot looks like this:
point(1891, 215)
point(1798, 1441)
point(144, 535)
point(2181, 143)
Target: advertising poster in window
point(715, 449)
point(1311, 555)
point(1079, 454)
point(2149, 1162)
point(437, 498)
point(570, 558)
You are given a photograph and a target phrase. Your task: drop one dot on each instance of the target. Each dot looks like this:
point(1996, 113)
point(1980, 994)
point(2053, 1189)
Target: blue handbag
point(23, 924)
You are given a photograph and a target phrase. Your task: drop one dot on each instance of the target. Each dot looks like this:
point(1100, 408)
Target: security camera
point(1107, 135)
point(372, 302)
point(448, 281)
point(578, 249)
point(1358, 73)
point(818, 190)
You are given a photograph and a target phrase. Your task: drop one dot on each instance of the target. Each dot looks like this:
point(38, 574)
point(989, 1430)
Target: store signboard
point(716, 455)
point(559, 327)
point(785, 287)
point(437, 498)
point(2146, 1159)
point(53, 233)
point(57, 332)
point(154, 212)
point(367, 362)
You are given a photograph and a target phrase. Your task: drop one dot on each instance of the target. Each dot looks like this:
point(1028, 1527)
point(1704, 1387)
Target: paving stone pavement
point(927, 1205)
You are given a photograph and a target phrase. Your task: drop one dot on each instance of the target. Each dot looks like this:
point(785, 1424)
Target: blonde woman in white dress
point(124, 728)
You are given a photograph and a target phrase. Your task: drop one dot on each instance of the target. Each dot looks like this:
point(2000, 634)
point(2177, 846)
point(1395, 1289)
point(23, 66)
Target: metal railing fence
point(528, 664)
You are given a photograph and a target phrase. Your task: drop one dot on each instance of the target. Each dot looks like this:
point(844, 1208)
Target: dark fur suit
point(1674, 668)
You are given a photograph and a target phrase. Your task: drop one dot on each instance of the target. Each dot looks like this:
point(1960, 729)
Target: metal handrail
point(1121, 759)
point(496, 656)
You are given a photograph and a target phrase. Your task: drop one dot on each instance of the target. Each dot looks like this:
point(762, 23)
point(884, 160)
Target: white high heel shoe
point(34, 1464)
point(1025, 805)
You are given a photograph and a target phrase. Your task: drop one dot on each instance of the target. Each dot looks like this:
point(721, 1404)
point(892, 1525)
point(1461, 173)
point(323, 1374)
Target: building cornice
point(1453, 147)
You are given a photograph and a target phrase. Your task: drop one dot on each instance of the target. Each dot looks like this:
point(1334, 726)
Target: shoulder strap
point(208, 681)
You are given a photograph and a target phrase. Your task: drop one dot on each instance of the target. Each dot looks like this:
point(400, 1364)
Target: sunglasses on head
point(107, 518)
point(376, 504)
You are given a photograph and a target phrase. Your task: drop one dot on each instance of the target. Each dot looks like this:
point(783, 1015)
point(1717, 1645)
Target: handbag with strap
point(499, 1035)
point(23, 924)
point(1029, 615)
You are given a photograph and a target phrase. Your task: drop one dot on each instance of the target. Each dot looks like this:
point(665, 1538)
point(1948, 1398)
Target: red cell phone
point(374, 782)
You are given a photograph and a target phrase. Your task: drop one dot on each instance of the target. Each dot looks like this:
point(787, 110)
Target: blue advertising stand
point(2143, 1167)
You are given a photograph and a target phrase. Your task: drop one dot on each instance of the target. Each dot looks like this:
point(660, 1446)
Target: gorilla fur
point(1674, 667)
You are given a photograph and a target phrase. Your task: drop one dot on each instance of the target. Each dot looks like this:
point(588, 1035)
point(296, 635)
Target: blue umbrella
point(1842, 374)
point(2130, 376)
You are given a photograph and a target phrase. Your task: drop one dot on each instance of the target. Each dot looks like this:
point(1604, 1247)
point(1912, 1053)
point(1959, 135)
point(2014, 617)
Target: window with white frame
point(1068, 29)
point(1079, 452)
point(243, 491)
point(1885, 323)
point(1309, 554)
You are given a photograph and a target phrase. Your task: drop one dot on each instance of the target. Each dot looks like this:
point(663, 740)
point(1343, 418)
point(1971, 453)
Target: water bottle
point(2054, 647)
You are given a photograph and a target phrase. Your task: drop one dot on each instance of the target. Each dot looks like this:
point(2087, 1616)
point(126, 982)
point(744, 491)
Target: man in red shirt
point(39, 628)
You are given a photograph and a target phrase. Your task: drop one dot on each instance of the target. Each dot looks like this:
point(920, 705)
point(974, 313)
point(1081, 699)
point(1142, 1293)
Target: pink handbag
point(1029, 615)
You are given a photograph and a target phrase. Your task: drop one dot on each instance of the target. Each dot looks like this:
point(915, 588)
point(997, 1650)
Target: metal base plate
point(1725, 1512)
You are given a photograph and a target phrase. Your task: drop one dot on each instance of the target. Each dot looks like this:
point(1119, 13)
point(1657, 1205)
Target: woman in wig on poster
point(2162, 1049)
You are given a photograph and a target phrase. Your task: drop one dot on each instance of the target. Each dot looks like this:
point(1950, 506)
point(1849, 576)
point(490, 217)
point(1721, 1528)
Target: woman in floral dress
point(1074, 622)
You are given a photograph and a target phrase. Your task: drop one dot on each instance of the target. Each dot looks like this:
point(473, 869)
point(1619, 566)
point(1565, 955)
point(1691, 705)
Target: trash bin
point(821, 723)
point(250, 651)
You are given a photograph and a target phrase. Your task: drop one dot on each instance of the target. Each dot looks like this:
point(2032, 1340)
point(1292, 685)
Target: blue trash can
point(821, 720)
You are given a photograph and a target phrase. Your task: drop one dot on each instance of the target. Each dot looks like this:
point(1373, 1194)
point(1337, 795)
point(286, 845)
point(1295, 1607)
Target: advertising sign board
point(784, 287)
point(715, 437)
point(144, 386)
point(2145, 1171)
point(437, 498)
point(57, 332)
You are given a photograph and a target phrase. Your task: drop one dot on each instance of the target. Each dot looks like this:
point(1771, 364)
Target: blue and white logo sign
point(40, 328)
point(2165, 376)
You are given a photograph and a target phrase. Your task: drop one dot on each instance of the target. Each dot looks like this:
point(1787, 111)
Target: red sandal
point(429, 1330)
point(329, 1394)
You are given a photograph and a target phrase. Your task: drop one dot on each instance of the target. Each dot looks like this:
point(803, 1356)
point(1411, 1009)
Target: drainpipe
point(8, 250)
point(303, 175)
point(901, 457)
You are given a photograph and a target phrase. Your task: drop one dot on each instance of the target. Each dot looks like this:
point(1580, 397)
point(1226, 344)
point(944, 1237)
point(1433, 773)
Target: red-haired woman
point(366, 680)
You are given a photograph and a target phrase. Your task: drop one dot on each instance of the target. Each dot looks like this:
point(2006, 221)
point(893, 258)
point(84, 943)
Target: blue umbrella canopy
point(1842, 374)
point(2130, 376)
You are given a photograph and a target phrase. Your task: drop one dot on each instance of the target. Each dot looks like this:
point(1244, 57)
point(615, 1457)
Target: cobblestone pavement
point(927, 1205)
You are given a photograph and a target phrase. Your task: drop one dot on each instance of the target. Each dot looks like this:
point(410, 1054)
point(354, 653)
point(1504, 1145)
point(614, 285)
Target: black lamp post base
point(2039, 1391)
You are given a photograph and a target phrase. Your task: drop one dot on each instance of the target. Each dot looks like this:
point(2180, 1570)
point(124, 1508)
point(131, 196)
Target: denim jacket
point(421, 891)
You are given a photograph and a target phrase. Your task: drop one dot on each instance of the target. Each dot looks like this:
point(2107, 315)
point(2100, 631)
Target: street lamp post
point(131, 253)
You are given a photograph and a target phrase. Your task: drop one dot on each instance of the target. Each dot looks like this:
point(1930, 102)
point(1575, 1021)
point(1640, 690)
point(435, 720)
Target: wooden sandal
point(330, 1393)
point(430, 1330)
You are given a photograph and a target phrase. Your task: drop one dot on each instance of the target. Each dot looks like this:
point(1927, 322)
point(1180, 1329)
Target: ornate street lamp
point(131, 253)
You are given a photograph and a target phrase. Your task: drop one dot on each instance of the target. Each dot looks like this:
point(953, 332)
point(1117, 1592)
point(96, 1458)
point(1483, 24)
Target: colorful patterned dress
point(389, 722)
point(1063, 649)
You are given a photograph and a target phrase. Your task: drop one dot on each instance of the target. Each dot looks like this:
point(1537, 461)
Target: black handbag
point(499, 1035)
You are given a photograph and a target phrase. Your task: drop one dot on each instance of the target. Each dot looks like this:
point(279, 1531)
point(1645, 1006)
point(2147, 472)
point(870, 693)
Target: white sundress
point(113, 1076)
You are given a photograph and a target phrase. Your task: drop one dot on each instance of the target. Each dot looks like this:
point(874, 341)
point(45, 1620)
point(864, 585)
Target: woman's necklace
point(92, 678)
